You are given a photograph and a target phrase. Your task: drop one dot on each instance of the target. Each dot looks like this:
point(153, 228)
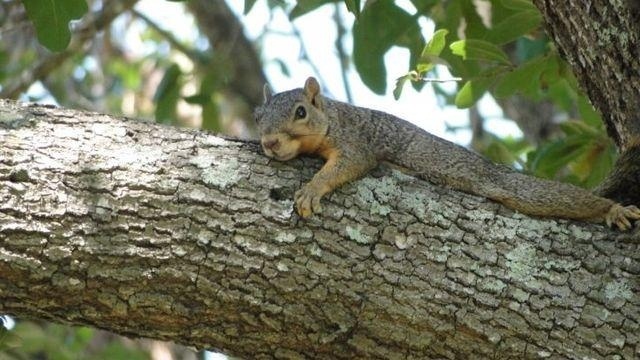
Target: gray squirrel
point(353, 140)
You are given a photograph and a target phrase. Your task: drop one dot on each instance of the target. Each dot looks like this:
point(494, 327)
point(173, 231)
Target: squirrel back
point(354, 139)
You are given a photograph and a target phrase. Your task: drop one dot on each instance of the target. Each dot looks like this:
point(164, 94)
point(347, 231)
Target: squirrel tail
point(465, 170)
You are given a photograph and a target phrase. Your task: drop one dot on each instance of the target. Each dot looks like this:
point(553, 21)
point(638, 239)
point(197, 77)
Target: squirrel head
point(292, 122)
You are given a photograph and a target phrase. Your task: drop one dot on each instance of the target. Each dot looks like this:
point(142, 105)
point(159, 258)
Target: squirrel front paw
point(620, 216)
point(307, 200)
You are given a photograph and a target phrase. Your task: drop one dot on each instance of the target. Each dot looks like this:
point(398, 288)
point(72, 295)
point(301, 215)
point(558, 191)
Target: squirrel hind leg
point(620, 216)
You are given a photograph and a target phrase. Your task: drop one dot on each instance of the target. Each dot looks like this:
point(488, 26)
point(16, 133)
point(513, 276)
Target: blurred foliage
point(134, 67)
point(31, 340)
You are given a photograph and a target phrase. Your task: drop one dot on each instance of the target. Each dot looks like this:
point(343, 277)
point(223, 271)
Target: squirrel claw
point(620, 216)
point(307, 201)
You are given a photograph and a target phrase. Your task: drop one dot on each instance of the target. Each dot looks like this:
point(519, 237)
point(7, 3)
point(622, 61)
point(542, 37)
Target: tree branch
point(231, 48)
point(342, 54)
point(177, 44)
point(176, 234)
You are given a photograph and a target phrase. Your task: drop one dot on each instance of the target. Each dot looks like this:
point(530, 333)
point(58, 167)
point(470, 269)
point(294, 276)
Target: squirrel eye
point(301, 113)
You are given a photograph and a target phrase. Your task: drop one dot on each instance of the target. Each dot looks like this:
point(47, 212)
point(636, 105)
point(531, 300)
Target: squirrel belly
point(353, 140)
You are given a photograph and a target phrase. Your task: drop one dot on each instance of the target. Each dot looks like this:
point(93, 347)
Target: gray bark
point(176, 234)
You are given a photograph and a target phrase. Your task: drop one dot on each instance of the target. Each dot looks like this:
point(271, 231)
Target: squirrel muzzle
point(280, 146)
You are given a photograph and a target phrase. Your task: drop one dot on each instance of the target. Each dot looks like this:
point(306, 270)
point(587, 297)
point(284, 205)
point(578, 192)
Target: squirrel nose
point(273, 144)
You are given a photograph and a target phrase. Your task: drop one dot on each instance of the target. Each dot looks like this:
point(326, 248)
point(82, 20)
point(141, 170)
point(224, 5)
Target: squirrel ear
point(266, 92)
point(312, 91)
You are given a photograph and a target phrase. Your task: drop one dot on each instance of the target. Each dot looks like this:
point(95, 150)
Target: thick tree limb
point(176, 234)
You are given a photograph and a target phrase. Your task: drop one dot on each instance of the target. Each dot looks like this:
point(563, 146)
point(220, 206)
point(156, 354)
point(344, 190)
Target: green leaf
point(429, 56)
point(519, 5)
point(474, 26)
point(551, 157)
point(353, 6)
point(130, 75)
point(472, 90)
point(594, 165)
point(168, 82)
point(198, 99)
point(474, 49)
point(248, 5)
point(51, 20)
point(587, 112)
point(210, 84)
point(436, 44)
point(167, 95)
point(527, 49)
point(397, 90)
point(382, 25)
point(8, 339)
point(514, 26)
point(423, 6)
point(305, 6)
point(562, 94)
point(525, 78)
point(497, 152)
point(579, 128)
point(211, 117)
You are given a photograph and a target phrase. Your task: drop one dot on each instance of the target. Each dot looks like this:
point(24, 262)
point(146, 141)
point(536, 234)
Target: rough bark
point(151, 231)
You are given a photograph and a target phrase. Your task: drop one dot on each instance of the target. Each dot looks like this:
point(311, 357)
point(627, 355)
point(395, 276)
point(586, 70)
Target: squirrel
point(353, 140)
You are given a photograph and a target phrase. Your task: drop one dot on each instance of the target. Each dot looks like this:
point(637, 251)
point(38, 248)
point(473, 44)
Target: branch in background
point(342, 55)
point(478, 133)
point(175, 43)
point(84, 33)
point(534, 118)
point(243, 75)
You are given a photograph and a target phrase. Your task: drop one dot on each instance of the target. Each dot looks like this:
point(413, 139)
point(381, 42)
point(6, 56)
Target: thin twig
point(305, 54)
point(435, 80)
point(191, 54)
point(342, 55)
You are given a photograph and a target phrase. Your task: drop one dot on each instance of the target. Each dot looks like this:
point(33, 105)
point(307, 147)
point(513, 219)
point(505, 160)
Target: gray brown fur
point(365, 137)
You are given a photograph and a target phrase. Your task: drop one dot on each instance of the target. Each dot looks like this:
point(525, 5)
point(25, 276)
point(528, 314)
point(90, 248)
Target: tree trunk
point(179, 235)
